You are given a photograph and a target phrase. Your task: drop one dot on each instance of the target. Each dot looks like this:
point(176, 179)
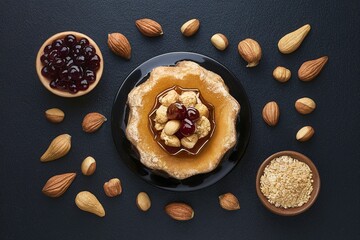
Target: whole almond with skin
point(58, 148)
point(54, 115)
point(119, 45)
point(179, 211)
point(292, 41)
point(190, 27)
point(229, 202)
point(305, 133)
point(143, 201)
point(271, 113)
point(113, 187)
point(310, 69)
point(88, 166)
point(58, 184)
point(219, 41)
point(282, 74)
point(93, 121)
point(250, 51)
point(305, 105)
point(149, 27)
point(87, 202)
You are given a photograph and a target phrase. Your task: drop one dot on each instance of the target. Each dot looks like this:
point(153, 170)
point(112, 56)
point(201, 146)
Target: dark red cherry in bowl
point(176, 111)
point(69, 64)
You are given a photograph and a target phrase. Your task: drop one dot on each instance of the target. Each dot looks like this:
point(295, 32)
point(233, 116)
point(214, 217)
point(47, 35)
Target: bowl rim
point(45, 81)
point(314, 194)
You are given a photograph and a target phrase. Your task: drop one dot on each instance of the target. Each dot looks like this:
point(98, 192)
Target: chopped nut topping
point(287, 182)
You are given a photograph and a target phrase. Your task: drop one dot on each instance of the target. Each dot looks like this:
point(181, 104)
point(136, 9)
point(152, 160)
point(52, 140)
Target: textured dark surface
point(25, 213)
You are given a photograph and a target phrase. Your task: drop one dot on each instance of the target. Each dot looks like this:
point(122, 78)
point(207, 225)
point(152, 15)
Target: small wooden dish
point(46, 82)
point(289, 211)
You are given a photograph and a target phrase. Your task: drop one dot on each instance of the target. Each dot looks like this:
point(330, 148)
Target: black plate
point(120, 113)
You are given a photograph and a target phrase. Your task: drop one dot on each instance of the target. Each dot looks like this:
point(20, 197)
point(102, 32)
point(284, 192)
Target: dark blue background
point(25, 213)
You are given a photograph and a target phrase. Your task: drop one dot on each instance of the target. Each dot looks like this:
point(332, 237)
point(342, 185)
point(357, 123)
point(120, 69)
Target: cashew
point(161, 116)
point(189, 98)
point(171, 141)
point(159, 126)
point(189, 141)
point(203, 127)
point(171, 127)
point(170, 97)
point(203, 110)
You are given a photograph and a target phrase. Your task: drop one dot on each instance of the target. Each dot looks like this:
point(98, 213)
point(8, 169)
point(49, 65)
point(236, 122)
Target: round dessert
point(69, 64)
point(182, 120)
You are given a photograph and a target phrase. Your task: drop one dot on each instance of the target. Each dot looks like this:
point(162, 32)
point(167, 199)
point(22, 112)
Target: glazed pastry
point(213, 133)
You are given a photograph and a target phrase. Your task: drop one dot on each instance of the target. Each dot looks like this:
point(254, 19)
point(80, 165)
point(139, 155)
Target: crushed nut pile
point(287, 182)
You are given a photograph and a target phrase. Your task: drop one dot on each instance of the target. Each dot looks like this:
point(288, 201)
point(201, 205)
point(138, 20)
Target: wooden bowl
point(289, 211)
point(46, 82)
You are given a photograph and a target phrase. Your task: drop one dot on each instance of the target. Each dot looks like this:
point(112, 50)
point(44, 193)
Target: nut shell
point(250, 51)
point(219, 41)
point(54, 115)
point(179, 211)
point(88, 166)
point(229, 202)
point(305, 134)
point(92, 122)
point(305, 105)
point(149, 27)
point(119, 45)
point(143, 201)
point(58, 184)
point(190, 27)
point(271, 113)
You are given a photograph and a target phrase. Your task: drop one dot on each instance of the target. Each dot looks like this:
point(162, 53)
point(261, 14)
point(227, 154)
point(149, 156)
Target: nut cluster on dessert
point(181, 119)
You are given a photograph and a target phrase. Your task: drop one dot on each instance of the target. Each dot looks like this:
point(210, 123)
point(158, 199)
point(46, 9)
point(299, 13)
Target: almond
point(271, 113)
point(119, 45)
point(229, 202)
point(143, 201)
point(292, 41)
point(179, 211)
point(250, 51)
point(282, 74)
point(54, 115)
point(310, 69)
point(93, 121)
point(305, 105)
point(190, 27)
point(58, 148)
point(113, 187)
point(305, 133)
point(58, 184)
point(149, 27)
point(219, 41)
point(87, 202)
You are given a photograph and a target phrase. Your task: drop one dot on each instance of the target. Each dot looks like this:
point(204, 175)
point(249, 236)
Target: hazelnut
point(171, 127)
point(282, 74)
point(143, 201)
point(113, 187)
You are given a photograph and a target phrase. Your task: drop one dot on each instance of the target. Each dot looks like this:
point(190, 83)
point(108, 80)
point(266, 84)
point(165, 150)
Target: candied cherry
point(192, 113)
point(176, 111)
point(84, 42)
point(187, 127)
point(70, 64)
point(70, 40)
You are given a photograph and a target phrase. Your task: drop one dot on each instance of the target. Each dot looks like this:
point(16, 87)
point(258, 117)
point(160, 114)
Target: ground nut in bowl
point(287, 183)
point(69, 64)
